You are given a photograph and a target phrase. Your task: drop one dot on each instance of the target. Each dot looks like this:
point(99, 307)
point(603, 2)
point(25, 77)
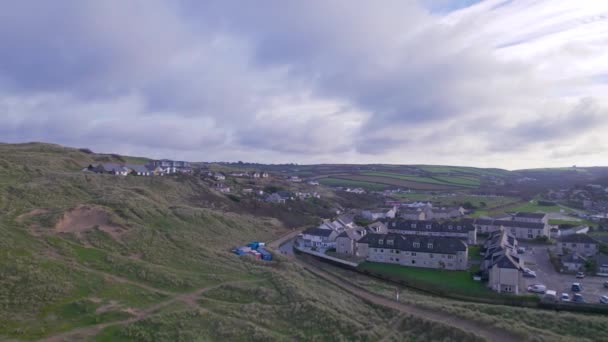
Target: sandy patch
point(83, 218)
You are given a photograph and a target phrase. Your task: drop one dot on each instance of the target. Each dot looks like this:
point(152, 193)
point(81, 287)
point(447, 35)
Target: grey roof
point(507, 261)
point(137, 168)
point(518, 224)
point(531, 215)
point(578, 238)
point(109, 167)
point(318, 232)
point(573, 258)
point(449, 226)
point(427, 244)
point(345, 219)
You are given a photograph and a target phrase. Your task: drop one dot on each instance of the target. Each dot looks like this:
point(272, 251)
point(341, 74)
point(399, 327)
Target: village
point(510, 253)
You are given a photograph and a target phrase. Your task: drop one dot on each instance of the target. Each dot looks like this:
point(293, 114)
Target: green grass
point(456, 181)
point(352, 183)
point(469, 181)
point(460, 281)
point(474, 252)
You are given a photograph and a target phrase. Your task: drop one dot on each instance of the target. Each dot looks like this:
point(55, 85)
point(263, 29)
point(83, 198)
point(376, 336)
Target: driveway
point(537, 259)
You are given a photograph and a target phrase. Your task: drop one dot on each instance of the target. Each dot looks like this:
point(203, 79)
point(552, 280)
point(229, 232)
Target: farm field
point(402, 183)
point(449, 180)
point(352, 183)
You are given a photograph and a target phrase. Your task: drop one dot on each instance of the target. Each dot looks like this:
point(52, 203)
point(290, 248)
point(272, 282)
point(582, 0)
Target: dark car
point(606, 284)
point(577, 287)
point(578, 298)
point(580, 275)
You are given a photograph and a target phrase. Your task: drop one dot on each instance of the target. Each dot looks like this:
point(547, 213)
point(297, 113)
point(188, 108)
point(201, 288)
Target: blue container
point(254, 245)
point(266, 255)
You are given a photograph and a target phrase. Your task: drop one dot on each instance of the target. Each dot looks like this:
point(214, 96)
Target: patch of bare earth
point(84, 218)
point(33, 212)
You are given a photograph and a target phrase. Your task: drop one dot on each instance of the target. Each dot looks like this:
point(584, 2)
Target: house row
point(377, 214)
point(253, 174)
point(123, 169)
point(501, 264)
point(414, 251)
point(525, 226)
point(454, 229)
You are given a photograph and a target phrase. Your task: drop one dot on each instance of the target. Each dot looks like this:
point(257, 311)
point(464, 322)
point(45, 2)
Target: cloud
point(433, 81)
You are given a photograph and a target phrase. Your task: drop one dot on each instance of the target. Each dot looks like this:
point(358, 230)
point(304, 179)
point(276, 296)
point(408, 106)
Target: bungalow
point(581, 244)
point(317, 237)
point(415, 251)
point(376, 214)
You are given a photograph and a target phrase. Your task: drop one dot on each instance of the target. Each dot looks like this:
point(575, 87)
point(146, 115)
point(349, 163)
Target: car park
point(537, 288)
point(580, 275)
point(565, 297)
point(578, 298)
point(604, 299)
point(577, 287)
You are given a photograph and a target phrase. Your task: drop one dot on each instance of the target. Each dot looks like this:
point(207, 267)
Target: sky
point(493, 83)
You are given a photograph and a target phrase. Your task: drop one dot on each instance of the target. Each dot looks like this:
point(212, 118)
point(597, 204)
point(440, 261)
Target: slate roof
point(573, 258)
point(318, 232)
point(578, 238)
point(449, 226)
point(138, 168)
point(427, 244)
point(518, 224)
point(507, 261)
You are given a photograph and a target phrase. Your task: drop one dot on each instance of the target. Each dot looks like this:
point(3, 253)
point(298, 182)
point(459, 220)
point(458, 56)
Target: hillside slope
point(86, 256)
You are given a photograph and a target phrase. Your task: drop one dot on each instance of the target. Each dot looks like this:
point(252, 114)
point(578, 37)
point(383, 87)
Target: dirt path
point(488, 333)
point(278, 242)
point(190, 299)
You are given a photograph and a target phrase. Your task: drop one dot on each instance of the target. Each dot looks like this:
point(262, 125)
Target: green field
point(442, 180)
point(352, 183)
point(460, 281)
point(474, 252)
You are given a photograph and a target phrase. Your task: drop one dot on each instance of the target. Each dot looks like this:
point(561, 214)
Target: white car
point(565, 297)
point(604, 299)
point(529, 273)
point(537, 288)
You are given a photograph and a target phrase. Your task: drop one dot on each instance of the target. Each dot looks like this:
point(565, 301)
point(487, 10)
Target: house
point(412, 214)
point(320, 238)
point(221, 187)
point(501, 263)
point(415, 251)
point(573, 262)
point(346, 242)
point(601, 261)
point(138, 170)
point(524, 230)
point(377, 214)
point(219, 176)
point(172, 166)
point(294, 179)
point(109, 168)
point(276, 198)
point(265, 175)
point(531, 217)
point(581, 244)
point(443, 213)
point(357, 191)
point(254, 175)
point(346, 220)
point(454, 229)
point(313, 182)
point(377, 227)
point(238, 174)
point(248, 191)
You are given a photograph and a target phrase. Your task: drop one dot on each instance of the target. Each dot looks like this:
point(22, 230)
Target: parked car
point(529, 273)
point(577, 287)
point(580, 275)
point(604, 299)
point(537, 288)
point(521, 250)
point(606, 284)
point(565, 297)
point(578, 298)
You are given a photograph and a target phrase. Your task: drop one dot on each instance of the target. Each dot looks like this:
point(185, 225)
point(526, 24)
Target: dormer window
point(389, 242)
point(416, 244)
point(381, 242)
point(450, 227)
point(413, 225)
point(459, 227)
point(394, 224)
point(430, 245)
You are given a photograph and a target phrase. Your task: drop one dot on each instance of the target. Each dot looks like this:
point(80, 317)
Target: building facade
point(454, 229)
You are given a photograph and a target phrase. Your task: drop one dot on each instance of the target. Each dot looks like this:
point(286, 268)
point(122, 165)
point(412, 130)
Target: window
point(382, 251)
point(413, 261)
point(389, 242)
point(397, 259)
point(381, 242)
point(413, 253)
point(413, 225)
point(397, 251)
point(450, 256)
point(416, 244)
point(459, 228)
point(573, 245)
point(428, 226)
point(429, 245)
point(450, 227)
point(530, 236)
point(391, 259)
point(375, 249)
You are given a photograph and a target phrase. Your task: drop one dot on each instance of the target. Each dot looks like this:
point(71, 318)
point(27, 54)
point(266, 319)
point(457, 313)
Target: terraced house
point(415, 251)
point(501, 264)
point(524, 226)
point(465, 231)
